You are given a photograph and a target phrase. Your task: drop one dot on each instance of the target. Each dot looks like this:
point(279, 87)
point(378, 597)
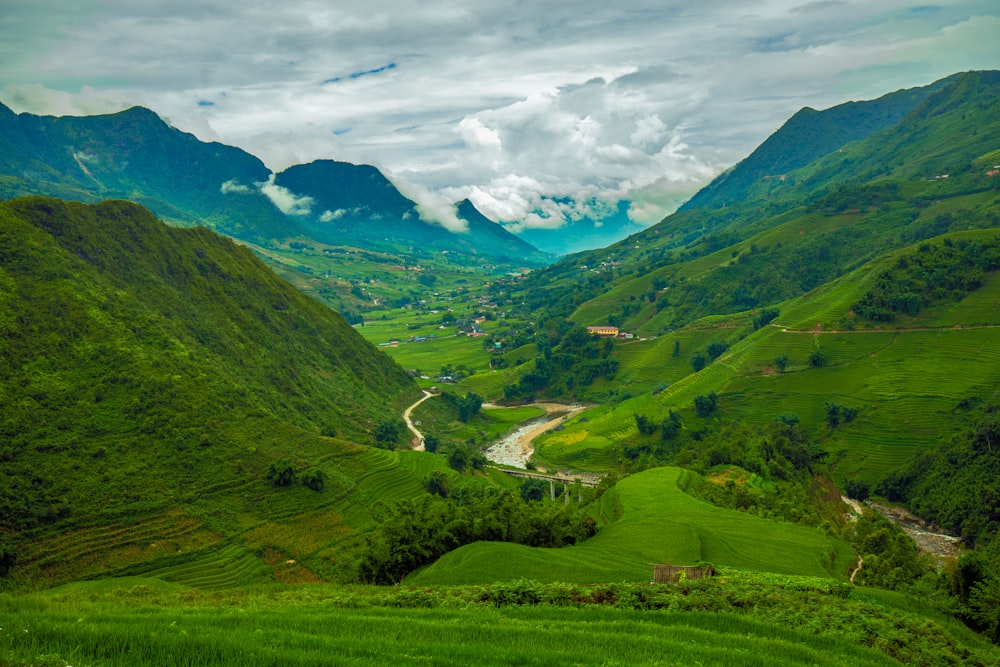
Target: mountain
point(807, 136)
point(350, 203)
point(151, 371)
point(784, 237)
point(134, 155)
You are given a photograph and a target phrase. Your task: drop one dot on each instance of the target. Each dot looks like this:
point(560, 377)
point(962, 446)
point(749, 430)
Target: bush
point(281, 473)
point(314, 479)
point(533, 489)
point(698, 361)
point(706, 404)
point(857, 490)
point(781, 362)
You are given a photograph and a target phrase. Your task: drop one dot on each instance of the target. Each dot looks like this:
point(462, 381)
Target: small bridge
point(565, 480)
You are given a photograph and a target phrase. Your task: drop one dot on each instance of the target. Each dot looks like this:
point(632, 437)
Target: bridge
point(565, 480)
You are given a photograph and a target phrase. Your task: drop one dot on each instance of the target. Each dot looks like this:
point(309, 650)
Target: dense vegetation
point(145, 365)
point(175, 411)
point(944, 271)
point(738, 617)
point(419, 531)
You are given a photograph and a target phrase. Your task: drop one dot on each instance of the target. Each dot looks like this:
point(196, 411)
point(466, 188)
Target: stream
point(515, 448)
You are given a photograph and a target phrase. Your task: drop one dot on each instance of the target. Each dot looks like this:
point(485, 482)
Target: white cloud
point(286, 201)
point(514, 103)
point(330, 216)
point(234, 186)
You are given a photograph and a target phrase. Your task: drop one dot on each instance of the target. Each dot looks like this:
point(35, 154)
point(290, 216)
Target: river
point(515, 448)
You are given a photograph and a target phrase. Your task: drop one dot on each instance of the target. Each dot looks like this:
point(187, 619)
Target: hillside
point(651, 521)
point(136, 156)
point(151, 377)
point(356, 204)
point(926, 175)
point(807, 136)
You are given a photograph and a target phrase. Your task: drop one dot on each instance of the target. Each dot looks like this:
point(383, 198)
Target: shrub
point(281, 473)
point(314, 479)
point(698, 361)
point(780, 362)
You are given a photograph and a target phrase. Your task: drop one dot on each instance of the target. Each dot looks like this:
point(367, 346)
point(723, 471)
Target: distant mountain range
point(134, 155)
point(898, 154)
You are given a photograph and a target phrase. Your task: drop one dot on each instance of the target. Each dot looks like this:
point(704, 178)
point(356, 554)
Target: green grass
point(737, 617)
point(658, 523)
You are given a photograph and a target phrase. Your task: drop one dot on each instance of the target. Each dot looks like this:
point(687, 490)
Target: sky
point(538, 111)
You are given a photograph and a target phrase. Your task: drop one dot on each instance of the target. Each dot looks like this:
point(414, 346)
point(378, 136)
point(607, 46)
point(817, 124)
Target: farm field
point(651, 520)
point(737, 617)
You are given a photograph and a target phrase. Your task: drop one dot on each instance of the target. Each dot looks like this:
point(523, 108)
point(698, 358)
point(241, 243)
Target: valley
point(262, 436)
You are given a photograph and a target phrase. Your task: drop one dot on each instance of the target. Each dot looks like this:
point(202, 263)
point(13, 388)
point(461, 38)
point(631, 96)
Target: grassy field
point(737, 617)
point(906, 379)
point(651, 521)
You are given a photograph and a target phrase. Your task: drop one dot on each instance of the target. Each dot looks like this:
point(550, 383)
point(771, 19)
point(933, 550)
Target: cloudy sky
point(511, 103)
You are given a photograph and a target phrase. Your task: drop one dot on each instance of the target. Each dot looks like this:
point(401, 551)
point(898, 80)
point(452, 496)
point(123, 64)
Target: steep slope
point(351, 203)
point(807, 136)
point(150, 371)
point(134, 155)
point(790, 235)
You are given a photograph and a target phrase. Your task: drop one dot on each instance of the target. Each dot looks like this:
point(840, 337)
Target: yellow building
point(603, 332)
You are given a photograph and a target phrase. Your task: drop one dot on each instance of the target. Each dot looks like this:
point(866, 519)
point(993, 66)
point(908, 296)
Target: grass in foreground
point(737, 618)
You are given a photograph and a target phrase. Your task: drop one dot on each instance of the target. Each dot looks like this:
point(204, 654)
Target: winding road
point(417, 442)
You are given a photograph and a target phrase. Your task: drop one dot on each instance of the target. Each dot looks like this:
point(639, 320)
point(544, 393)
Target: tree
point(706, 404)
point(387, 432)
point(314, 479)
point(7, 560)
point(698, 361)
point(469, 406)
point(817, 359)
point(533, 489)
point(677, 347)
point(832, 414)
point(458, 458)
point(716, 348)
point(431, 443)
point(437, 483)
point(670, 426)
point(857, 489)
point(281, 473)
point(644, 424)
point(765, 317)
point(781, 362)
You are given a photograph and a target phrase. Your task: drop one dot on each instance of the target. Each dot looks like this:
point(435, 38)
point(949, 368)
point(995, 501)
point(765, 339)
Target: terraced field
point(906, 380)
point(652, 520)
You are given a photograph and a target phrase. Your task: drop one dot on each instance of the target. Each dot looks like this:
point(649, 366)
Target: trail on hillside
point(820, 331)
point(417, 442)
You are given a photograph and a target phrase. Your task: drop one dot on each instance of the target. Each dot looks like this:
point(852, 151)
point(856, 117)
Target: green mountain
point(808, 136)
point(153, 376)
point(356, 204)
point(134, 155)
point(788, 236)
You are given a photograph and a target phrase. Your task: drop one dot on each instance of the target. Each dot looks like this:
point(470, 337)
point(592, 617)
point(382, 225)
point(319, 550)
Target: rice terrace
point(659, 335)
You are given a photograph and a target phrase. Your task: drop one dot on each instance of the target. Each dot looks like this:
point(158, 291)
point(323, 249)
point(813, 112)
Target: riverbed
point(515, 448)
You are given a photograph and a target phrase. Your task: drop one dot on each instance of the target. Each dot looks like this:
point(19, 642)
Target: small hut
point(671, 574)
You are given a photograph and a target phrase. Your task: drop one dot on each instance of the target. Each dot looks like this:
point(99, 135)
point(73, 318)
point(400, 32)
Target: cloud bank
point(537, 112)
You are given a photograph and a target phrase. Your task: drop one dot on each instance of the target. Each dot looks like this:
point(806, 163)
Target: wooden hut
point(671, 574)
